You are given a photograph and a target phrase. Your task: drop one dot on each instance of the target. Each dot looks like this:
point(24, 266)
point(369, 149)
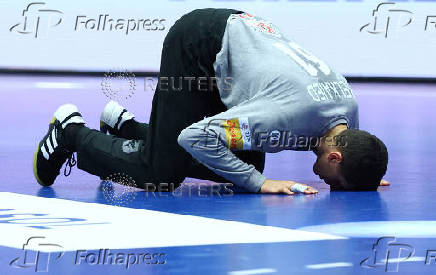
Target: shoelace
point(71, 162)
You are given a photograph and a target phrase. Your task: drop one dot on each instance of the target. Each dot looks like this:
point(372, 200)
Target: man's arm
point(211, 140)
point(206, 142)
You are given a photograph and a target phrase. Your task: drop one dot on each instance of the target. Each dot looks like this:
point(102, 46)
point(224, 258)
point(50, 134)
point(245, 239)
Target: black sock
point(70, 134)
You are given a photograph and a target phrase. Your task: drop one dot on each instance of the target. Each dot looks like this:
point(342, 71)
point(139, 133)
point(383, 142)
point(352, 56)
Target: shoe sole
point(35, 160)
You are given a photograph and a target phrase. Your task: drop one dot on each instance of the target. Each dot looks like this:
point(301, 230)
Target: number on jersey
point(310, 63)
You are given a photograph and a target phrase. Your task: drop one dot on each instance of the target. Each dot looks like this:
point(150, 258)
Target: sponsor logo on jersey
point(258, 24)
point(238, 135)
point(246, 133)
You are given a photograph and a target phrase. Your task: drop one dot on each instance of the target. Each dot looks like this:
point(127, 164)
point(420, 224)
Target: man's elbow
point(183, 138)
point(195, 139)
point(186, 139)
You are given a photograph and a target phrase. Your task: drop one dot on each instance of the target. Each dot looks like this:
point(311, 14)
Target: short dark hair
point(365, 159)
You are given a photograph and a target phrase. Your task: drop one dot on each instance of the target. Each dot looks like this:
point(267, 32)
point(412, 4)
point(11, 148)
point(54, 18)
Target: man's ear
point(335, 157)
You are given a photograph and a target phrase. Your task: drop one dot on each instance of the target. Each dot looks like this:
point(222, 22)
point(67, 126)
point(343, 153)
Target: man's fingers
point(384, 183)
point(286, 187)
point(302, 188)
point(289, 185)
point(310, 190)
point(287, 191)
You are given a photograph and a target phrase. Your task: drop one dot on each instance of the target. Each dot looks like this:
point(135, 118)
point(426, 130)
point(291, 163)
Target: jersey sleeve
point(212, 140)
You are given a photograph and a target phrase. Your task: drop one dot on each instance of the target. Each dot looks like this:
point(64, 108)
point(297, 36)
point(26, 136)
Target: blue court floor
point(81, 225)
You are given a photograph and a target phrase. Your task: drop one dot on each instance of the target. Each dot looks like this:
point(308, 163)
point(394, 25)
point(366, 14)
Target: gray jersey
point(279, 97)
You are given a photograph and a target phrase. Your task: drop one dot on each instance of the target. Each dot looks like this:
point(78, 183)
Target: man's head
point(351, 160)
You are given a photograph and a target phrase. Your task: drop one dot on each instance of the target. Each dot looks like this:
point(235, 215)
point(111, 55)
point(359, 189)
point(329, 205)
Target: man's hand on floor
point(283, 187)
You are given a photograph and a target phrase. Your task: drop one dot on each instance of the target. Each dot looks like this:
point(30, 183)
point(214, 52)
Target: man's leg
point(133, 129)
point(118, 121)
point(99, 154)
point(106, 155)
point(188, 54)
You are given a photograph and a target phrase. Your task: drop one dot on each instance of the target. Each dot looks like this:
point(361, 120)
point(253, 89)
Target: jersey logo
point(238, 134)
point(258, 24)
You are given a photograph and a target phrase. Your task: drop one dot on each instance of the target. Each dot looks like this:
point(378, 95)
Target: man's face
point(327, 166)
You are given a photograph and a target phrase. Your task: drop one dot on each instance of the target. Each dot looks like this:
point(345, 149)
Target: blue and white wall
point(99, 35)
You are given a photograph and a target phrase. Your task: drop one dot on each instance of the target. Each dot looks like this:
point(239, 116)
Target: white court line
point(253, 271)
point(345, 264)
point(329, 265)
point(77, 225)
point(375, 229)
point(57, 85)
